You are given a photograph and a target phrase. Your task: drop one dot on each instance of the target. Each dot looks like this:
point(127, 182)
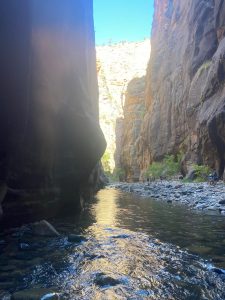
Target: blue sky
point(118, 20)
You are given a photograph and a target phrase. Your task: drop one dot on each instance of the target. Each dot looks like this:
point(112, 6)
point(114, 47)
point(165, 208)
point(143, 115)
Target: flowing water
point(134, 248)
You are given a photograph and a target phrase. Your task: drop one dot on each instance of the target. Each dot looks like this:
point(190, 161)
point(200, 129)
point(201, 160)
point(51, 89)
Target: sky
point(122, 20)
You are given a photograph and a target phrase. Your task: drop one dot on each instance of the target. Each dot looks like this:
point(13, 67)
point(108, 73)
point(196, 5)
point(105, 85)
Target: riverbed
point(200, 196)
point(131, 247)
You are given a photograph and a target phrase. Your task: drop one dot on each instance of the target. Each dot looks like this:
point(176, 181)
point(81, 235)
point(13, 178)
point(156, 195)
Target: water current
point(132, 248)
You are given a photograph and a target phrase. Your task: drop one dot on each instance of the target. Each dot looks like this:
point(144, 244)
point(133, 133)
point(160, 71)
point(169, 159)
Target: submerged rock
point(36, 294)
point(74, 238)
point(218, 271)
point(5, 295)
point(43, 228)
point(24, 246)
point(102, 280)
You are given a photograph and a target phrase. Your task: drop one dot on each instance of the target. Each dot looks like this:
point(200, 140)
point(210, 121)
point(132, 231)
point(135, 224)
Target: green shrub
point(106, 161)
point(168, 167)
point(171, 165)
point(118, 174)
point(155, 170)
point(201, 172)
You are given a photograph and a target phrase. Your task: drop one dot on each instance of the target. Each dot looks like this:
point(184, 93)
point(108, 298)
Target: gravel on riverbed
point(201, 196)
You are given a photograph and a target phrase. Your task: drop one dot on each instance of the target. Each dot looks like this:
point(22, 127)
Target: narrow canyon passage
point(112, 150)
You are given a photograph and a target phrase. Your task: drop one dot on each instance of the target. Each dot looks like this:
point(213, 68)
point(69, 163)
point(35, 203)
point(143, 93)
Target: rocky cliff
point(134, 111)
point(49, 132)
point(117, 65)
point(185, 93)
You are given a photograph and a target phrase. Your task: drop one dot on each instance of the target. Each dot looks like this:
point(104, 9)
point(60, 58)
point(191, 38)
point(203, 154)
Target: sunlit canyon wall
point(50, 137)
point(117, 65)
point(185, 91)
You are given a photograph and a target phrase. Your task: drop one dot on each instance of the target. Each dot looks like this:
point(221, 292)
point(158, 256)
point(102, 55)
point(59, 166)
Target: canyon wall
point(50, 136)
point(128, 145)
point(185, 90)
point(117, 65)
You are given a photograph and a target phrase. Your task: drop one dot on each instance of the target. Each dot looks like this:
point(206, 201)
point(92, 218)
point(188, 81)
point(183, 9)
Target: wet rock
point(74, 238)
point(222, 202)
point(5, 295)
point(103, 280)
point(36, 294)
point(218, 271)
point(121, 236)
point(178, 186)
point(44, 228)
point(184, 193)
point(24, 246)
point(146, 188)
point(21, 231)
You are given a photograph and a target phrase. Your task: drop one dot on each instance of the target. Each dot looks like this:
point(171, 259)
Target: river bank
point(200, 196)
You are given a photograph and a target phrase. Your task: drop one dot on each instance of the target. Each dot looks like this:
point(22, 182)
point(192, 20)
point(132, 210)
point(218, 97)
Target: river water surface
point(134, 248)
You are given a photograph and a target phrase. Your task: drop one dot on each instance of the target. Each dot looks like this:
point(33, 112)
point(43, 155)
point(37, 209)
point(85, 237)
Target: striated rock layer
point(134, 110)
point(185, 99)
point(117, 65)
point(49, 132)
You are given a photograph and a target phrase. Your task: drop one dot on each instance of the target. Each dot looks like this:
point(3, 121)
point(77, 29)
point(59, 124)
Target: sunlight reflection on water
point(126, 254)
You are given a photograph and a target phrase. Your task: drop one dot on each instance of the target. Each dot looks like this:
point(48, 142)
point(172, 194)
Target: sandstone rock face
point(185, 94)
point(119, 132)
point(134, 110)
point(117, 65)
point(49, 132)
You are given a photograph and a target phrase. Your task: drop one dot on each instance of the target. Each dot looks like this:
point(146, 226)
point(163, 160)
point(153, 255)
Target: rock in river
point(43, 228)
point(36, 294)
point(74, 238)
point(5, 295)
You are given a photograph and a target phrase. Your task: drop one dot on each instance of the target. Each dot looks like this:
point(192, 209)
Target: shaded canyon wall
point(185, 90)
point(50, 137)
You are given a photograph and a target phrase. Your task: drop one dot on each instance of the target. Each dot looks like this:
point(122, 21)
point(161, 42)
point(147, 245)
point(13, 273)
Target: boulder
point(36, 294)
point(5, 295)
point(75, 238)
point(43, 228)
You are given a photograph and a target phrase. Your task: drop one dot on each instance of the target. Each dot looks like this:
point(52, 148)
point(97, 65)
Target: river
point(133, 248)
